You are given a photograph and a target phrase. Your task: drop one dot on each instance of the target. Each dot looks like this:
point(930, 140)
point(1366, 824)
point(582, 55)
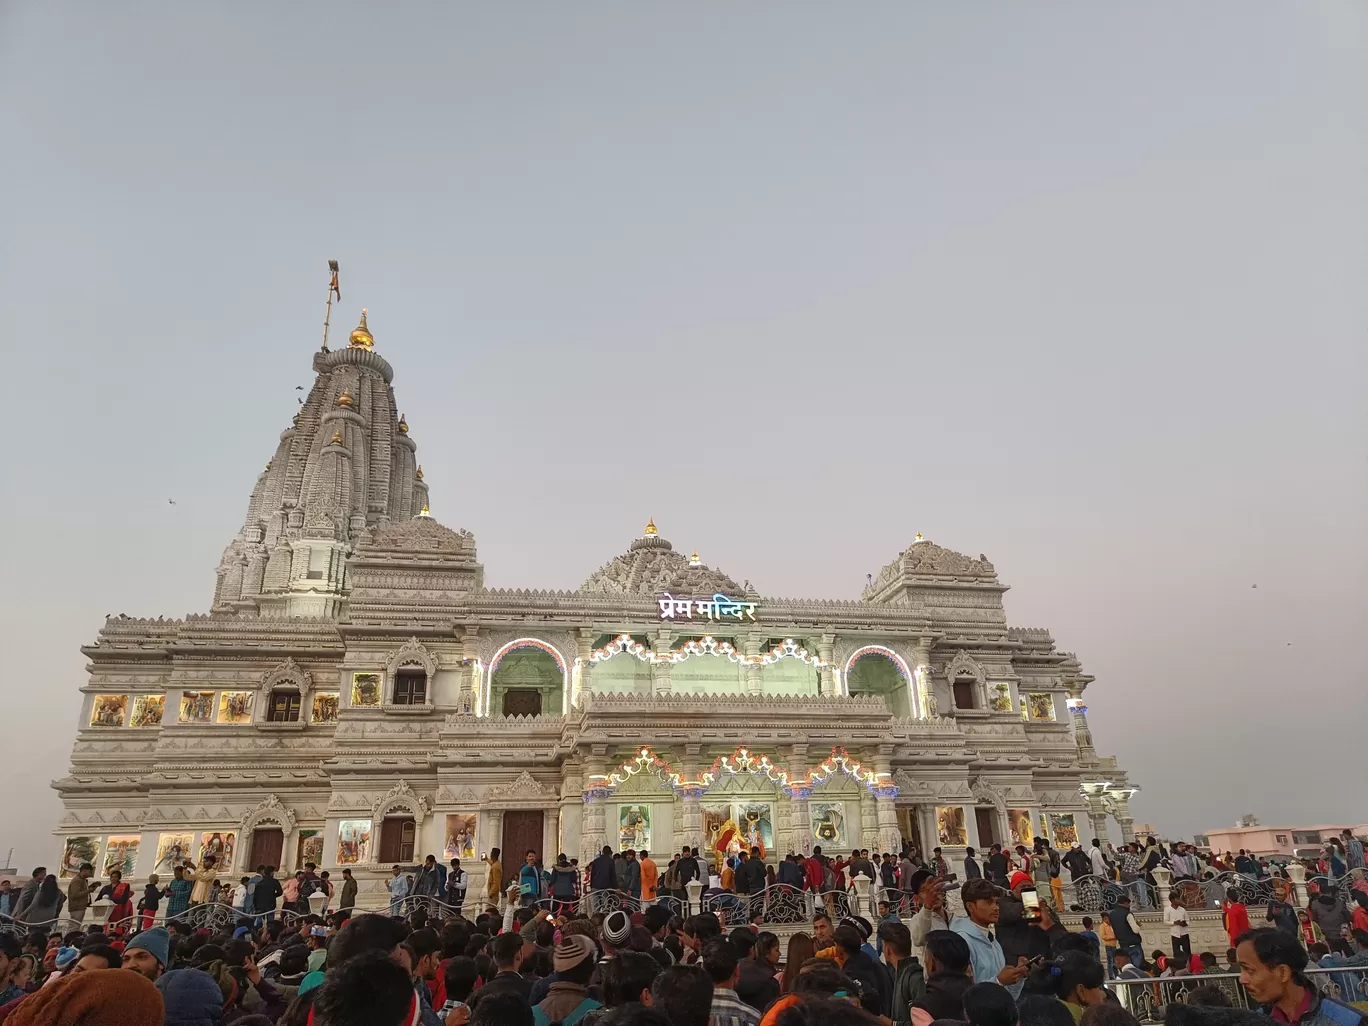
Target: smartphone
point(1031, 900)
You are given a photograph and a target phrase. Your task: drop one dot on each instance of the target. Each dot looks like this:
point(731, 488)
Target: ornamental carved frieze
point(964, 665)
point(401, 796)
point(288, 673)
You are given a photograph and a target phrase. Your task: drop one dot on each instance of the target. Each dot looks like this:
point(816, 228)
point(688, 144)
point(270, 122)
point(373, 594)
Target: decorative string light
point(708, 645)
point(742, 760)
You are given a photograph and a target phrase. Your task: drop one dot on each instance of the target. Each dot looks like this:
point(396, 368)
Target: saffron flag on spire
point(334, 286)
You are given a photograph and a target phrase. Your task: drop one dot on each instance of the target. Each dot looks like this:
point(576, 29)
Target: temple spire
point(361, 336)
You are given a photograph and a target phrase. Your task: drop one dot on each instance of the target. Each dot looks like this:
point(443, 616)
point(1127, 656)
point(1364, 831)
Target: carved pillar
point(869, 822)
point(886, 812)
point(583, 684)
point(468, 701)
point(571, 814)
point(797, 792)
point(926, 694)
point(754, 684)
point(825, 650)
point(660, 672)
point(690, 793)
point(591, 827)
point(930, 832)
point(1121, 812)
point(1079, 711)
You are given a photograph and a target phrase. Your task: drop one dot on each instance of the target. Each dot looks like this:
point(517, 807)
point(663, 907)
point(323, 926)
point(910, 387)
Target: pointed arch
point(519, 643)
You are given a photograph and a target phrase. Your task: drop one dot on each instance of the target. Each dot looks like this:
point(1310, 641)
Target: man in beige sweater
point(493, 878)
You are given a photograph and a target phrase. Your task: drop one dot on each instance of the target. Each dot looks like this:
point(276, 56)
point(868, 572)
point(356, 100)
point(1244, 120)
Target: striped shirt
point(730, 1010)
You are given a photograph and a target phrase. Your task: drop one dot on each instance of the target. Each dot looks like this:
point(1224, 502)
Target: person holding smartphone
point(978, 927)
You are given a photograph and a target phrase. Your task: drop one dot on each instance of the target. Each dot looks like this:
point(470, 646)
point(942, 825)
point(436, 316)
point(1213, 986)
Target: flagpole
point(333, 289)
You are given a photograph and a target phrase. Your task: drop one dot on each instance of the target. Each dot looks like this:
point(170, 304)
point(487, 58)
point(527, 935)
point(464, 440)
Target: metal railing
point(1098, 894)
point(1146, 998)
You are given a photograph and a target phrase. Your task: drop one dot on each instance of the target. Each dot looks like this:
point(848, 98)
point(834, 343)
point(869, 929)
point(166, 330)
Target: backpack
point(1054, 862)
point(670, 881)
point(576, 1014)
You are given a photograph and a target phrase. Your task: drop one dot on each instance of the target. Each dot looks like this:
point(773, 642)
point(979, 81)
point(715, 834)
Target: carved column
point(468, 701)
point(491, 829)
point(926, 693)
point(660, 672)
point(1079, 711)
point(584, 646)
point(826, 652)
point(886, 814)
point(797, 792)
point(754, 684)
point(690, 794)
point(592, 826)
point(869, 822)
point(1120, 800)
point(571, 814)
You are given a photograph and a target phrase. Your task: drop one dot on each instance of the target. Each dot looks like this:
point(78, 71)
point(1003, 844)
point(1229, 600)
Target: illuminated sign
point(719, 607)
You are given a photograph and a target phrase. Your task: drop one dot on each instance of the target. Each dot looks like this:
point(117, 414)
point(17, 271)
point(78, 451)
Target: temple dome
point(420, 534)
point(925, 561)
point(651, 566)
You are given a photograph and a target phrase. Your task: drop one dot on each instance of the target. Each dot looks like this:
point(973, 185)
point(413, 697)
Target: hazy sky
point(1080, 286)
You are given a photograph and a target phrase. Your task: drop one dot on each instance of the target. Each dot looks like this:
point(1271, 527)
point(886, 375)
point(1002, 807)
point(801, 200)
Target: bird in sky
point(171, 501)
point(1253, 585)
point(299, 388)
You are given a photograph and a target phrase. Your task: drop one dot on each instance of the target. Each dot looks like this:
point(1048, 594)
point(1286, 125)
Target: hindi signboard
point(719, 607)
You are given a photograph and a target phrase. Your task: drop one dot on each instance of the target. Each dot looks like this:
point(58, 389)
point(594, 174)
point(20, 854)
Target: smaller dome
point(650, 531)
point(361, 336)
point(419, 475)
point(403, 425)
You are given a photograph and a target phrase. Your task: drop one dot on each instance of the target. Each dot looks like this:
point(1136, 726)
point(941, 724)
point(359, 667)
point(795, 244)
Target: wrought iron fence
point(1098, 894)
point(1147, 998)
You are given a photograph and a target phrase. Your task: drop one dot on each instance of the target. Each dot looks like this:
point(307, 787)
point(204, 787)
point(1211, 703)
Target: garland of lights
point(708, 645)
point(741, 761)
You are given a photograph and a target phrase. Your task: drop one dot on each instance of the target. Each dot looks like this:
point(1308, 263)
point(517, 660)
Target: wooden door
point(268, 843)
point(986, 819)
point(522, 831)
point(522, 702)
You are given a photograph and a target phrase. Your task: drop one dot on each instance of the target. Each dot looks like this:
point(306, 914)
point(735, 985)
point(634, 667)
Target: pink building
point(1275, 840)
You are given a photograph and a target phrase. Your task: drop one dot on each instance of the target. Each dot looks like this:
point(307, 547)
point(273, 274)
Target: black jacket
point(603, 874)
point(944, 997)
point(505, 982)
point(750, 876)
point(757, 985)
point(265, 894)
point(875, 986)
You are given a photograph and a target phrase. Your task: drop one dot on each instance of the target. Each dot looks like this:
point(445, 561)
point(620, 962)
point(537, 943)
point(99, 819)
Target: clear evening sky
point(1080, 286)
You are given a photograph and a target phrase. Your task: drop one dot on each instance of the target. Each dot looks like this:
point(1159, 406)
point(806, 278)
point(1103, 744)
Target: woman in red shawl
point(120, 893)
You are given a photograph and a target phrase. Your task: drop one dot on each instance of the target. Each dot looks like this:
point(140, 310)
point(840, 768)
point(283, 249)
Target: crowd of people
point(999, 955)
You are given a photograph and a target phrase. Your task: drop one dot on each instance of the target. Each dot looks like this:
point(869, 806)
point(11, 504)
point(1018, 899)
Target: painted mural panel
point(172, 851)
point(220, 844)
point(324, 707)
point(235, 707)
point(148, 710)
point(634, 827)
point(950, 826)
point(197, 707)
point(1019, 820)
point(108, 710)
point(309, 849)
point(353, 842)
point(1064, 829)
point(121, 853)
point(829, 824)
point(365, 689)
point(77, 851)
point(460, 836)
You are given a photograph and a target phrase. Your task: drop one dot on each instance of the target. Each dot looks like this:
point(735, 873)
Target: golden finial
point(419, 474)
point(424, 512)
point(361, 336)
point(403, 425)
point(337, 437)
point(650, 531)
point(295, 420)
point(694, 560)
point(919, 537)
point(268, 464)
point(345, 399)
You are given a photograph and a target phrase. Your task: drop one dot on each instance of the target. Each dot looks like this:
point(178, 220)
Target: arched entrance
point(527, 682)
point(878, 671)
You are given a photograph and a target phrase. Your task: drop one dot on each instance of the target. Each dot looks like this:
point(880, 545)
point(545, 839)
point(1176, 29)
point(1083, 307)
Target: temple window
point(410, 686)
point(964, 691)
point(1041, 706)
point(397, 835)
point(283, 706)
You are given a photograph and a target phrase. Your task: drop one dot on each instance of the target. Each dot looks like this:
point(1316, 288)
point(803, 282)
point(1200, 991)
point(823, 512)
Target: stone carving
point(288, 672)
point(400, 796)
point(411, 653)
point(421, 534)
point(963, 665)
point(524, 786)
point(270, 810)
point(651, 566)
